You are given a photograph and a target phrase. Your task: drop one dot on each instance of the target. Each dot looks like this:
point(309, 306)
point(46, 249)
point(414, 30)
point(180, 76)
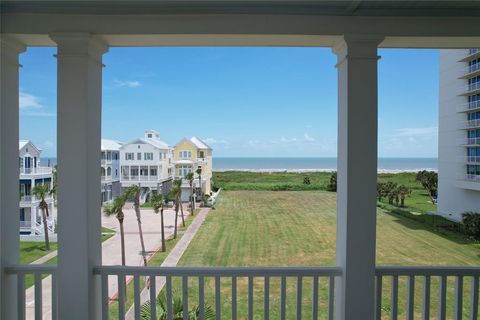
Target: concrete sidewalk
point(173, 258)
point(111, 250)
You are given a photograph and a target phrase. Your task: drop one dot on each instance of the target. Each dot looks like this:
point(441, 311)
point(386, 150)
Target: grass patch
point(33, 250)
point(298, 229)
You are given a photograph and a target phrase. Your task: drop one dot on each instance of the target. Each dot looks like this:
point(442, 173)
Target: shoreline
point(380, 171)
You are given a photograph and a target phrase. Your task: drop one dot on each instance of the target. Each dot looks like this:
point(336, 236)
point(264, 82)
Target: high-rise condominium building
point(459, 133)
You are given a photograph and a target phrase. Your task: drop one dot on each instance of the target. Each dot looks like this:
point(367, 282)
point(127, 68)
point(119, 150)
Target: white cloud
point(29, 101)
point(38, 114)
point(213, 141)
point(308, 137)
point(288, 140)
point(410, 132)
point(284, 140)
point(127, 83)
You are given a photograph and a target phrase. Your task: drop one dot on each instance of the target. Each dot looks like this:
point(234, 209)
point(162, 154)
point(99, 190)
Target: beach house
point(193, 155)
point(32, 174)
point(110, 169)
point(146, 162)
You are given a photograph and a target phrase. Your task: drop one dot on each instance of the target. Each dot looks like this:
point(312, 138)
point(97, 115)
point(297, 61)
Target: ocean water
point(317, 164)
point(307, 164)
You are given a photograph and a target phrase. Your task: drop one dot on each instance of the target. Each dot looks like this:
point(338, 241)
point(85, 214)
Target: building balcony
point(29, 200)
point(141, 178)
point(38, 171)
point(470, 124)
point(470, 177)
point(468, 142)
point(469, 106)
point(472, 88)
point(25, 225)
point(471, 71)
point(473, 53)
point(469, 159)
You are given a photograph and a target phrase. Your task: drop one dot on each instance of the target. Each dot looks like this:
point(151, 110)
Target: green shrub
point(332, 184)
point(471, 222)
point(306, 180)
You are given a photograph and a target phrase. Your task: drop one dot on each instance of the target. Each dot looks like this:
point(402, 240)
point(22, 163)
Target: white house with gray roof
point(32, 174)
point(146, 162)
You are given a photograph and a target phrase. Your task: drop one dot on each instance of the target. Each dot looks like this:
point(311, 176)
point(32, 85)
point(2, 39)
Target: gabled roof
point(157, 143)
point(111, 145)
point(199, 143)
point(23, 143)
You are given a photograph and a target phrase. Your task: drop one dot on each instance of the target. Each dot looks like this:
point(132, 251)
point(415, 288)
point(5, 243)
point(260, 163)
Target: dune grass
point(264, 228)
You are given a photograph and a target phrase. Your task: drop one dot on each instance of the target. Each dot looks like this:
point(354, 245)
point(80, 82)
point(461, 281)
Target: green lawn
point(32, 250)
point(261, 228)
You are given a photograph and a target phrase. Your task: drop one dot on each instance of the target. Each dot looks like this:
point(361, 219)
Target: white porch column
point(79, 198)
point(357, 176)
point(9, 171)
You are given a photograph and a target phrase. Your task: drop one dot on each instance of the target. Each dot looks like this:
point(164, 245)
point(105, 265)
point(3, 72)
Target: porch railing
point(38, 271)
point(439, 278)
point(406, 292)
point(285, 276)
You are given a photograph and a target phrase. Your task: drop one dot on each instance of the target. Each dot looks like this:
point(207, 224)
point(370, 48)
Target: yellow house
point(194, 155)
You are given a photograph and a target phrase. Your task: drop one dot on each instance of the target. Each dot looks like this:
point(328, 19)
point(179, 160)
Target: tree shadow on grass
point(435, 224)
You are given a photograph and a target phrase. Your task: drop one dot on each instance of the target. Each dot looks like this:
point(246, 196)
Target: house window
point(139, 156)
point(202, 154)
point(134, 171)
point(153, 171)
point(185, 154)
point(109, 172)
point(148, 155)
point(149, 135)
point(129, 156)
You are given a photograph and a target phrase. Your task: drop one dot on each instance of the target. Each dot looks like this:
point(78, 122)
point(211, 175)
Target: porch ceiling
point(405, 24)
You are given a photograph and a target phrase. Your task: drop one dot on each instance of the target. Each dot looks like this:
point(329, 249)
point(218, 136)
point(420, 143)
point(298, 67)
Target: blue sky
point(243, 101)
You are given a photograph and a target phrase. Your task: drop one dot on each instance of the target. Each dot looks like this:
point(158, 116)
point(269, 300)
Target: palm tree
point(199, 173)
point(116, 208)
point(390, 191)
point(157, 202)
point(41, 191)
point(133, 192)
point(177, 305)
point(190, 178)
point(403, 192)
point(176, 193)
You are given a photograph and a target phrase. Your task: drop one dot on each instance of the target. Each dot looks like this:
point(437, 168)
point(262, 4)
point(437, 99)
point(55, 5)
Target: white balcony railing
point(469, 106)
point(470, 177)
point(37, 170)
point(30, 199)
point(468, 141)
point(472, 68)
point(433, 295)
point(140, 178)
point(472, 86)
point(25, 224)
point(468, 159)
point(470, 124)
point(437, 277)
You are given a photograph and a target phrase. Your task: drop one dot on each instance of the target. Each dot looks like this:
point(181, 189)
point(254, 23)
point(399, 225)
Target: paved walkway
point(111, 253)
point(173, 257)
